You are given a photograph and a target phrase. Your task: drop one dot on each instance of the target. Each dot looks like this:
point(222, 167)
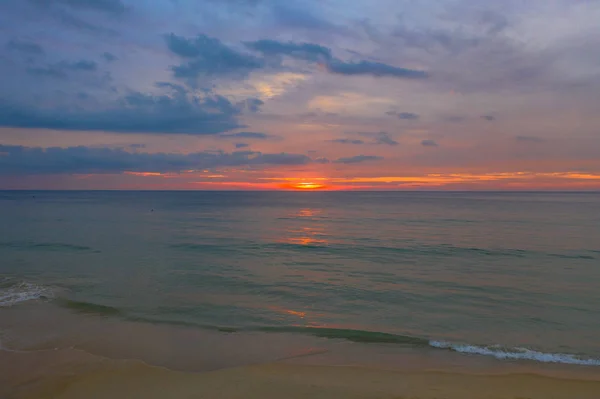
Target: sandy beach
point(51, 352)
point(72, 374)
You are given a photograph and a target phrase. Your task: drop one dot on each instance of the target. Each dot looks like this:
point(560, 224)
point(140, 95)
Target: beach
point(270, 295)
point(91, 356)
point(84, 376)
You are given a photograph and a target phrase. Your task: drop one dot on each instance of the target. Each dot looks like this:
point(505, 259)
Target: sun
point(308, 185)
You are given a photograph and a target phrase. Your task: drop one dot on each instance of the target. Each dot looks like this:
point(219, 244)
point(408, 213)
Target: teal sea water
point(505, 275)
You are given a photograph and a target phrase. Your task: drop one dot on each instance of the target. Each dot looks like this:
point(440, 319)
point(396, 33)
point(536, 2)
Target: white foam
point(516, 353)
point(23, 292)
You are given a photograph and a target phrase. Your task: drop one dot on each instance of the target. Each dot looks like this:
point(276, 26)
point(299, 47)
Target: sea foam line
point(516, 353)
point(23, 292)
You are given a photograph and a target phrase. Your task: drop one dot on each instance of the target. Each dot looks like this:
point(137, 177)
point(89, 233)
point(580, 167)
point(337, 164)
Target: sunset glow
point(295, 96)
point(308, 186)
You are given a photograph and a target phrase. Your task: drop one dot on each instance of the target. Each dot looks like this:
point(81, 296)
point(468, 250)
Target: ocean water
point(510, 276)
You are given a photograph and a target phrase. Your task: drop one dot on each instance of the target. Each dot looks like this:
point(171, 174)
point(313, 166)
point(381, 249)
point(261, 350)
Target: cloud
point(175, 112)
point(302, 51)
point(82, 65)
point(529, 139)
point(241, 145)
point(358, 159)
point(321, 160)
point(19, 160)
point(429, 143)
point(300, 16)
point(346, 141)
point(72, 21)
point(107, 6)
point(407, 115)
point(376, 69)
point(61, 69)
point(251, 104)
point(109, 57)
point(379, 138)
point(209, 56)
point(25, 47)
point(432, 39)
point(317, 53)
point(247, 135)
point(384, 138)
point(489, 118)
point(403, 115)
point(51, 71)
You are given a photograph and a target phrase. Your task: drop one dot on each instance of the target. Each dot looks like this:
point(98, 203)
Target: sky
point(300, 94)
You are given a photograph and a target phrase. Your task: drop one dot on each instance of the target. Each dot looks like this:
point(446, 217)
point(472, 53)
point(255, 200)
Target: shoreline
point(49, 351)
point(70, 374)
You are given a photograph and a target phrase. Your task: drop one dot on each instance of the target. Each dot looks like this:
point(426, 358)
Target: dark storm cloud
point(347, 141)
point(376, 69)
point(429, 143)
point(358, 159)
point(25, 47)
point(303, 51)
point(209, 56)
point(19, 160)
point(107, 6)
point(178, 112)
point(489, 118)
point(242, 145)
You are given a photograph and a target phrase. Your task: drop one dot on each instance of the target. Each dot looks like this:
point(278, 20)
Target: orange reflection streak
point(307, 212)
point(295, 313)
point(278, 309)
point(311, 232)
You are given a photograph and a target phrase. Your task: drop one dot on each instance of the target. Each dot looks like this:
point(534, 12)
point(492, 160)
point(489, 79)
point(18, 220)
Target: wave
point(496, 351)
point(90, 308)
point(45, 246)
point(566, 256)
point(26, 291)
point(516, 353)
point(14, 293)
point(376, 250)
point(351, 335)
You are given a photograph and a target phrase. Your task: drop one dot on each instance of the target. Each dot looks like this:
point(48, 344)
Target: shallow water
point(505, 275)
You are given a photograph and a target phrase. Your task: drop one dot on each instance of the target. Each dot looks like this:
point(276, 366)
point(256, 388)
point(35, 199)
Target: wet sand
point(51, 352)
point(75, 375)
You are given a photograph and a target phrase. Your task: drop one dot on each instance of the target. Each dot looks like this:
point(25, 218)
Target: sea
point(201, 280)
